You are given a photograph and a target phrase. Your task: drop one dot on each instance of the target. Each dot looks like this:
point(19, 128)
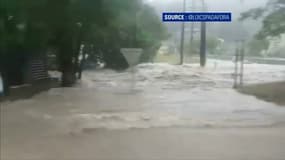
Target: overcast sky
point(235, 6)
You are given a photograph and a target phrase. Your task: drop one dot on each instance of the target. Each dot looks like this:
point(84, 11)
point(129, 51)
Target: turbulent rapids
point(161, 95)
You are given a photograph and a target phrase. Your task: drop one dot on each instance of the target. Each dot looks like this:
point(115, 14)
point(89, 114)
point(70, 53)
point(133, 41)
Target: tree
point(30, 27)
point(273, 18)
point(21, 35)
point(151, 33)
point(214, 46)
point(256, 46)
point(129, 24)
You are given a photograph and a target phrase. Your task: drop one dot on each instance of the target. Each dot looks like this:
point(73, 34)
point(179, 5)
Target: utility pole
point(182, 36)
point(203, 44)
point(239, 64)
point(203, 40)
point(192, 24)
point(242, 52)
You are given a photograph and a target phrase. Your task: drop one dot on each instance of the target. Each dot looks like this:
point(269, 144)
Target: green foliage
point(32, 26)
point(193, 48)
point(254, 13)
point(214, 46)
point(256, 46)
point(130, 24)
point(273, 24)
point(273, 18)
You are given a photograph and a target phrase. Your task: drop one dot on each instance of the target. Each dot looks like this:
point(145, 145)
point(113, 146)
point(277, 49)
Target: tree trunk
point(67, 57)
point(82, 63)
point(68, 74)
point(67, 63)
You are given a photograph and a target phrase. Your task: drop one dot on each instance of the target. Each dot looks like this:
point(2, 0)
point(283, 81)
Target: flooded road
point(160, 111)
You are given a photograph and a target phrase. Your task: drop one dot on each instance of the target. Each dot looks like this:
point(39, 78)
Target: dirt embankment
point(272, 92)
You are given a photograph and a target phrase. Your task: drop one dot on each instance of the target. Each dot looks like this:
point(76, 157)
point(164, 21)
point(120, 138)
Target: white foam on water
point(169, 96)
point(144, 120)
point(216, 75)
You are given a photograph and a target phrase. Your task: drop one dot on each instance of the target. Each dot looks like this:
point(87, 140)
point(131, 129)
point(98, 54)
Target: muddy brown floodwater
point(169, 112)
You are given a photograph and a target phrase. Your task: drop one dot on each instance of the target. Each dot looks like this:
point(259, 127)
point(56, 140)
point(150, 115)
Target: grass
point(167, 58)
point(271, 92)
point(174, 59)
